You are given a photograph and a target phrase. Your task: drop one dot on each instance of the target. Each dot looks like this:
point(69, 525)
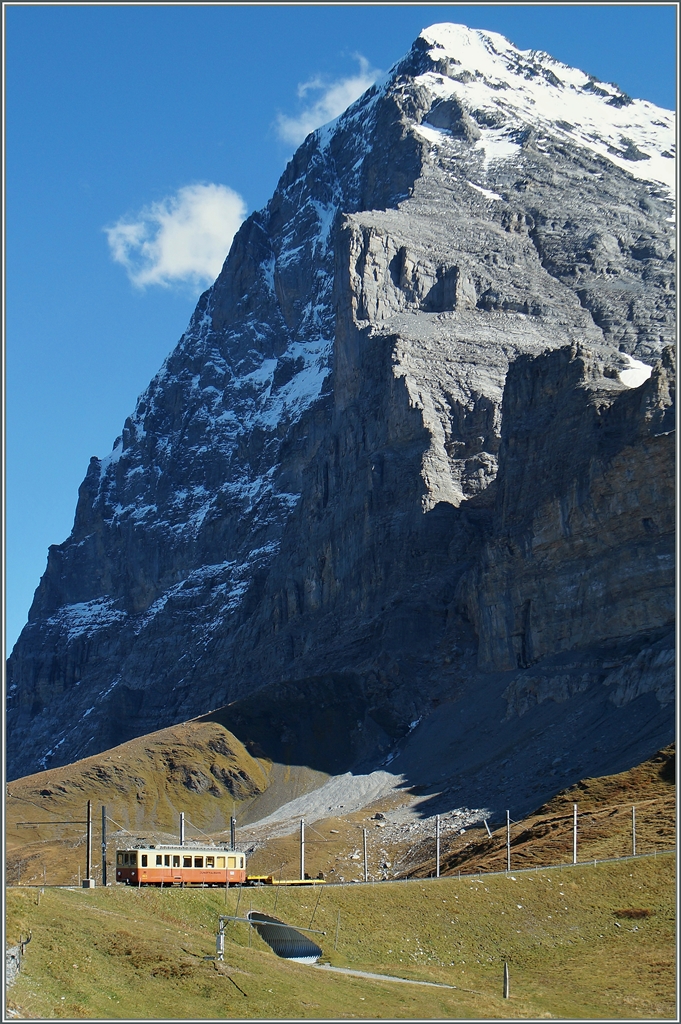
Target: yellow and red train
point(181, 865)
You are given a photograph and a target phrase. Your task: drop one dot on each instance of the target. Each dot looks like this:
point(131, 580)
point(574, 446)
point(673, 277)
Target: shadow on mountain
point(325, 722)
point(527, 734)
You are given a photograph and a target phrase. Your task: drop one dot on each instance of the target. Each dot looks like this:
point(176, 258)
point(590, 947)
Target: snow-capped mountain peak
point(432, 339)
point(509, 89)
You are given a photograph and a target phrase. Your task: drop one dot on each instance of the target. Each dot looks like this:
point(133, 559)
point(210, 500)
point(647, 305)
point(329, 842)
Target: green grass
point(138, 954)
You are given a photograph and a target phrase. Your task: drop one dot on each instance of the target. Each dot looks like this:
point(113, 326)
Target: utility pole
point(302, 848)
point(181, 828)
point(508, 840)
point(507, 983)
point(437, 845)
point(88, 881)
point(232, 833)
point(103, 845)
point(366, 869)
point(88, 862)
point(574, 833)
point(633, 830)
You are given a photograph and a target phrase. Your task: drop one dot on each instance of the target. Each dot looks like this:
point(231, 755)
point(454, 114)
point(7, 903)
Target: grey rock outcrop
point(392, 456)
point(12, 964)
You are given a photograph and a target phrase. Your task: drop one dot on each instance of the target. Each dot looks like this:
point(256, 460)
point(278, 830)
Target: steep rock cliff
point(335, 482)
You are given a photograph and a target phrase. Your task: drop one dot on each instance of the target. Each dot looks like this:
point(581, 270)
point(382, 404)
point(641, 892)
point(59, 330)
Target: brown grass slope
point(197, 767)
point(604, 825)
point(201, 768)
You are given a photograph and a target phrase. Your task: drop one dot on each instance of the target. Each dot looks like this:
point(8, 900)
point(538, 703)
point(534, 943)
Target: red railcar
point(181, 865)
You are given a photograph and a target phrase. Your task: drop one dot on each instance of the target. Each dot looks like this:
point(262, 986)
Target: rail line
point(591, 862)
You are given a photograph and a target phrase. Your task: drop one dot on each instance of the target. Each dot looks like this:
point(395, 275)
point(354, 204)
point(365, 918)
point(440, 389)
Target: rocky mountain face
point(396, 462)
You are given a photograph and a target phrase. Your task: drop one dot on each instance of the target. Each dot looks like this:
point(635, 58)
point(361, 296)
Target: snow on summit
point(515, 88)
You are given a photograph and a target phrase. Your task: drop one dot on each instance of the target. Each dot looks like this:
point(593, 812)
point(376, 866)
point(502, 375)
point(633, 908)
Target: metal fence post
point(437, 845)
point(507, 983)
point(366, 868)
point(574, 833)
point(220, 940)
point(508, 840)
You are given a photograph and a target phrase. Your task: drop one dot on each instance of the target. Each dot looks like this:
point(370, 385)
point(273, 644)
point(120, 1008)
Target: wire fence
point(550, 839)
point(602, 833)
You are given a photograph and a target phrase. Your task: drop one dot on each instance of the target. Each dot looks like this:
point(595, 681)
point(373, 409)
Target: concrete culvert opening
point(285, 941)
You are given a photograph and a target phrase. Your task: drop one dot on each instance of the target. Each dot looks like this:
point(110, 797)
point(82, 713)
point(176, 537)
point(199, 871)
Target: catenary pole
point(103, 845)
point(437, 845)
point(88, 854)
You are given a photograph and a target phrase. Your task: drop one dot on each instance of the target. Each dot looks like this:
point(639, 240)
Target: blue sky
point(136, 138)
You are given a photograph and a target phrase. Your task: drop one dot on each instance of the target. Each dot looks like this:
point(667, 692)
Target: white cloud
point(183, 238)
point(336, 97)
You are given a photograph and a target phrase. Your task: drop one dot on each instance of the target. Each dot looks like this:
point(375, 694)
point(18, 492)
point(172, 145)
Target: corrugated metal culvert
point(285, 941)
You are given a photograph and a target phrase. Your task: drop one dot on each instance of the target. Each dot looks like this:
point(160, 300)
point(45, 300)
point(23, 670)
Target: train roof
point(198, 847)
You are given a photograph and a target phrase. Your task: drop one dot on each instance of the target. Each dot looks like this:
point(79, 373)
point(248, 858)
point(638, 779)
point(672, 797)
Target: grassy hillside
point(197, 767)
point(202, 769)
point(582, 942)
point(604, 825)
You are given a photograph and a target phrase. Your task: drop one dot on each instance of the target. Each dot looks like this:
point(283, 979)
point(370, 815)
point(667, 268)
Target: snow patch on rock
point(637, 373)
point(86, 617)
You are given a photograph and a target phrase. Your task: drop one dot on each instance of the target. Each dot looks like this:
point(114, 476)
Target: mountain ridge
point(317, 484)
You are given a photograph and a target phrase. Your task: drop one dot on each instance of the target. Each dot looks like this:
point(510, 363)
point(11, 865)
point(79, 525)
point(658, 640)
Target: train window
point(186, 862)
point(166, 860)
point(231, 862)
point(126, 857)
point(144, 860)
point(210, 862)
point(176, 861)
point(221, 862)
point(119, 857)
point(241, 862)
point(198, 862)
point(159, 858)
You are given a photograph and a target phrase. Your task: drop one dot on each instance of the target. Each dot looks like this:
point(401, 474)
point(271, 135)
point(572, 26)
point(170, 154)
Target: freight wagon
point(181, 865)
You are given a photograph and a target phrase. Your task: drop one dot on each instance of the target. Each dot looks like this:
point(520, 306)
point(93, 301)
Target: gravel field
point(341, 795)
point(346, 794)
